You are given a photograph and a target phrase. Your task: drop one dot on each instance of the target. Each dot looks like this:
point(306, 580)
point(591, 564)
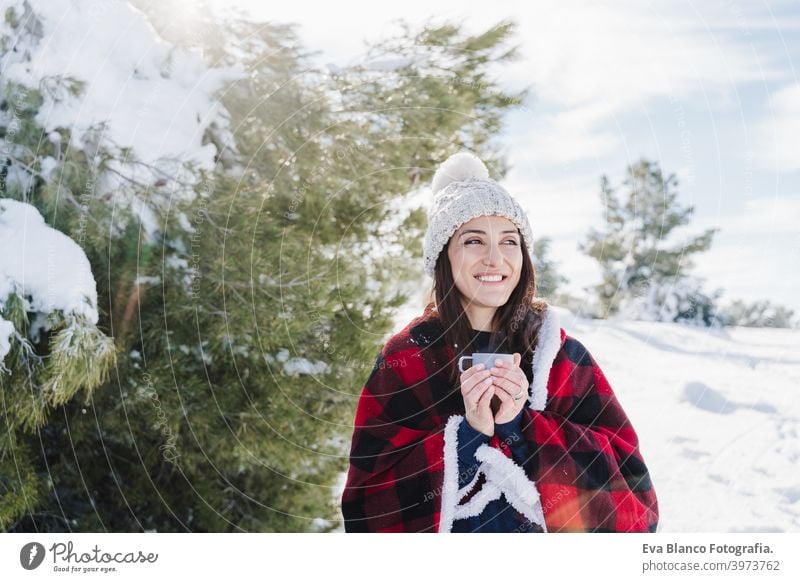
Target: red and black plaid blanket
point(583, 469)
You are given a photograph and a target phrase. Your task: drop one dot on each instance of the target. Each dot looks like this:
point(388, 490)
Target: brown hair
point(515, 324)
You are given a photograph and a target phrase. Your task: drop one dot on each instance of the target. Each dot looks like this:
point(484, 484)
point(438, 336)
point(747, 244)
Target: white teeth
point(492, 278)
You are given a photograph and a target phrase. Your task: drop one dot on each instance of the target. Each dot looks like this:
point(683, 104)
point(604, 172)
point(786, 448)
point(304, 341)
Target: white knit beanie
point(462, 190)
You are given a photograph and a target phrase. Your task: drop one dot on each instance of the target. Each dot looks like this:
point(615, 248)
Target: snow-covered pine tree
point(642, 268)
point(50, 346)
point(83, 180)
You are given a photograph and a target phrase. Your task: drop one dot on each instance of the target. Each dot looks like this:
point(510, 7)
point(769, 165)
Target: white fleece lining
point(450, 510)
point(546, 351)
point(509, 477)
point(467, 488)
point(503, 476)
point(477, 504)
point(450, 493)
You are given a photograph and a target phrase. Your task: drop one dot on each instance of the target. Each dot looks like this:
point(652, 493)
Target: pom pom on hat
point(458, 168)
point(472, 194)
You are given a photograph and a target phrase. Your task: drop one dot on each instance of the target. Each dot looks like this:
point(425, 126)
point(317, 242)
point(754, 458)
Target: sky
point(709, 90)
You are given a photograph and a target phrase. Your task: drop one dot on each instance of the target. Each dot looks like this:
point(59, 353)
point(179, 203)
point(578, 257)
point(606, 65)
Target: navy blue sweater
point(499, 515)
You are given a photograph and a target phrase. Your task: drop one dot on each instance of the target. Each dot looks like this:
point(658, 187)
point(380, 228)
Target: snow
point(47, 269)
point(717, 416)
point(150, 94)
point(6, 331)
point(297, 366)
point(319, 523)
point(146, 280)
point(149, 98)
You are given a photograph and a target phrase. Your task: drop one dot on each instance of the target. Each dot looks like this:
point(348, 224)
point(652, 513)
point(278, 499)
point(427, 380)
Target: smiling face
point(486, 260)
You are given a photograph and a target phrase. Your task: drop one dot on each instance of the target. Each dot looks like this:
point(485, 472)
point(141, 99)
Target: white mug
point(487, 359)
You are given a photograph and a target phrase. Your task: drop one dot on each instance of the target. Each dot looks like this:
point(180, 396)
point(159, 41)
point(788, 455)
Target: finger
point(503, 368)
point(475, 393)
point(501, 372)
point(506, 403)
point(469, 380)
point(501, 365)
point(516, 377)
point(475, 381)
point(506, 412)
point(516, 359)
point(506, 386)
point(504, 397)
point(514, 374)
point(471, 370)
point(486, 399)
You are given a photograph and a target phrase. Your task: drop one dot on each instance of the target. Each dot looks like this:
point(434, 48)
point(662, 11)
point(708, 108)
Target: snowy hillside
point(718, 417)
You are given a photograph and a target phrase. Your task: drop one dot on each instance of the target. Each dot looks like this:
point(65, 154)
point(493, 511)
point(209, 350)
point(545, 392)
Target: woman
point(540, 445)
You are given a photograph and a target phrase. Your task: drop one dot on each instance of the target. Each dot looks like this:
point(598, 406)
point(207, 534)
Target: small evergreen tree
point(638, 261)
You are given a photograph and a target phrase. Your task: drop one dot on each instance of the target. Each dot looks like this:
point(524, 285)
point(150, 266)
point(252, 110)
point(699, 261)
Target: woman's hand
point(477, 389)
point(510, 381)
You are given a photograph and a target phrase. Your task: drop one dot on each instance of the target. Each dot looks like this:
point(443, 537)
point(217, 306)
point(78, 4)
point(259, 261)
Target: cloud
point(557, 207)
point(588, 63)
point(588, 66)
point(776, 133)
point(566, 136)
point(561, 209)
point(742, 269)
point(754, 253)
point(582, 52)
point(766, 216)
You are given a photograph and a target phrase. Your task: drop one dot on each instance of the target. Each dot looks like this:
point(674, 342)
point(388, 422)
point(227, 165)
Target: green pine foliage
point(245, 331)
point(55, 358)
